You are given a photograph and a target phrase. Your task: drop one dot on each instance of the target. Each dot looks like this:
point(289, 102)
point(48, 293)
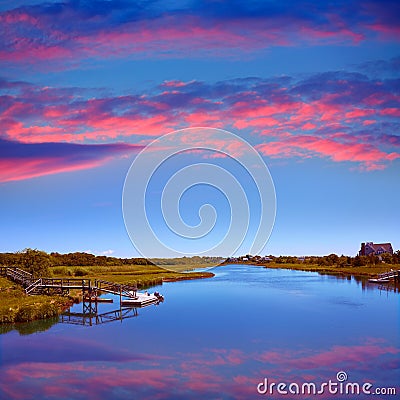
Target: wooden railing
point(33, 286)
point(68, 283)
point(18, 275)
point(26, 279)
point(389, 274)
point(115, 288)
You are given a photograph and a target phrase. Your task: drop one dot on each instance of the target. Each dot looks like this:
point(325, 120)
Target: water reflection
point(27, 328)
point(90, 313)
point(92, 317)
point(214, 373)
point(213, 339)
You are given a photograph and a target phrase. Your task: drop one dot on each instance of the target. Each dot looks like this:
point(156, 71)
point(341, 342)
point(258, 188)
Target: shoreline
point(18, 308)
point(202, 275)
point(366, 272)
point(360, 272)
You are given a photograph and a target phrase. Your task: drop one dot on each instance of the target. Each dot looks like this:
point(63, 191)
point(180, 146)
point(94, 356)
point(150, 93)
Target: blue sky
point(313, 86)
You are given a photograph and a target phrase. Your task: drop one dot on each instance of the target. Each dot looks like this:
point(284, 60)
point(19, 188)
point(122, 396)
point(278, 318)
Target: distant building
point(375, 249)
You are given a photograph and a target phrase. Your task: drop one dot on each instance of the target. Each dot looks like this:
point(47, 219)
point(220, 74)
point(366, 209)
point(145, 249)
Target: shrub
point(35, 261)
point(81, 272)
point(64, 271)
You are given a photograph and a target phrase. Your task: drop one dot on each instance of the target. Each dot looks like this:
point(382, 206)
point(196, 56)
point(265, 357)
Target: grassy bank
point(367, 270)
point(143, 276)
point(16, 306)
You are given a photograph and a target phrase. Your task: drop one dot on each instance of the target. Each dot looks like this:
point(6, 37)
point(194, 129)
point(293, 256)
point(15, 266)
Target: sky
point(313, 86)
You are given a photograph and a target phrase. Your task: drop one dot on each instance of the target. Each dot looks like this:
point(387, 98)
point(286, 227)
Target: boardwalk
point(387, 277)
point(89, 289)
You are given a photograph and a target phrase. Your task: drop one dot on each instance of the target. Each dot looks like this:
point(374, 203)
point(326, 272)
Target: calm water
point(214, 339)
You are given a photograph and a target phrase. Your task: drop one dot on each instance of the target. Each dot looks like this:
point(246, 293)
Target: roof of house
point(376, 246)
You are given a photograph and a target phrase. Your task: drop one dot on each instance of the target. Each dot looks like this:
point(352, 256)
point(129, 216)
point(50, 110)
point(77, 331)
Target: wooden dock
point(393, 275)
point(64, 285)
point(142, 300)
point(90, 290)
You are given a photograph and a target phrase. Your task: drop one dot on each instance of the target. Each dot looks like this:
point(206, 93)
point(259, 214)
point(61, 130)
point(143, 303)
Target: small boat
point(98, 300)
point(379, 280)
point(143, 299)
point(159, 296)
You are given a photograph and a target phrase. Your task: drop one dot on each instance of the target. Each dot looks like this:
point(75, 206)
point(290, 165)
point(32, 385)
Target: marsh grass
point(367, 270)
point(143, 276)
point(27, 328)
point(16, 306)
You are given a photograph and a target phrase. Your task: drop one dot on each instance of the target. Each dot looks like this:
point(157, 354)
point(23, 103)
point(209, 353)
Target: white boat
point(143, 299)
point(379, 280)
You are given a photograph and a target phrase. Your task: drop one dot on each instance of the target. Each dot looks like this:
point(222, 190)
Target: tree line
point(340, 261)
point(39, 262)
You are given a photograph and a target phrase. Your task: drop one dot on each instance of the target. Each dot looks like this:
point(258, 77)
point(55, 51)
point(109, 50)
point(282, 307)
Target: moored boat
point(143, 299)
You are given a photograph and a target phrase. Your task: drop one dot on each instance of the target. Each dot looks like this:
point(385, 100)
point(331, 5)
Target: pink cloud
point(308, 126)
point(357, 113)
point(176, 83)
point(385, 31)
point(204, 119)
point(369, 122)
point(306, 146)
point(334, 36)
point(393, 112)
point(20, 169)
point(20, 161)
point(35, 34)
point(303, 120)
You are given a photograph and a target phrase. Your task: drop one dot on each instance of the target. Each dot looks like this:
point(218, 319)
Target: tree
point(342, 261)
point(332, 259)
point(36, 262)
point(396, 257)
point(360, 261)
point(387, 258)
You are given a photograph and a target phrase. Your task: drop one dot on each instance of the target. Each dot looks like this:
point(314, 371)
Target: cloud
point(70, 31)
point(368, 156)
point(380, 67)
point(100, 253)
point(342, 116)
point(20, 161)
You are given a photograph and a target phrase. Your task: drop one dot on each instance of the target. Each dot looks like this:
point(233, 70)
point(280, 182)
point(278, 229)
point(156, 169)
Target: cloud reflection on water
point(216, 373)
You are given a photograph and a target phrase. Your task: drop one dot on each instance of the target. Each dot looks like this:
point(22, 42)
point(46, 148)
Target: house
point(266, 259)
point(375, 249)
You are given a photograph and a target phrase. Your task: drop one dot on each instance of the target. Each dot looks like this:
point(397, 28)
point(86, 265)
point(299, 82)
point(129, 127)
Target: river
point(228, 337)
